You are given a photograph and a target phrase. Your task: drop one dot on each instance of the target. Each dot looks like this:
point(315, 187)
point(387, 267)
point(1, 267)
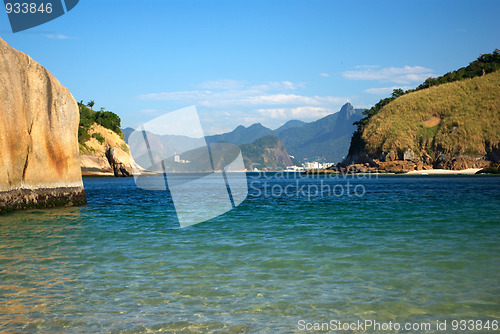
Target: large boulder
point(39, 155)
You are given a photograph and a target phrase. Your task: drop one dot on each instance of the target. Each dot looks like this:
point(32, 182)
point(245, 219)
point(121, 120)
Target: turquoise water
point(401, 249)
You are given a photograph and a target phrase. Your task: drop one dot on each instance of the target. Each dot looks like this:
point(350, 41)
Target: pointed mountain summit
point(346, 116)
point(346, 112)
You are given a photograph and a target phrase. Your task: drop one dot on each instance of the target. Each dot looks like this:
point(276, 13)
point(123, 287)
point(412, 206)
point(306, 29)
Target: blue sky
point(242, 61)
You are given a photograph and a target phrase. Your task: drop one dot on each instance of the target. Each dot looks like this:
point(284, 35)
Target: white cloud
point(401, 75)
point(325, 75)
point(225, 96)
point(385, 90)
point(57, 36)
point(224, 102)
point(298, 112)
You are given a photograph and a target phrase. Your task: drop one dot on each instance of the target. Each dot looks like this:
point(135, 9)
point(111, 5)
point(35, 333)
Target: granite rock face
point(39, 156)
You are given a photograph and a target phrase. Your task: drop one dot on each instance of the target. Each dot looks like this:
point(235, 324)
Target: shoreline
point(468, 171)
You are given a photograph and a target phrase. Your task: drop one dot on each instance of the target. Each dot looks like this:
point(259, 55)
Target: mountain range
point(326, 139)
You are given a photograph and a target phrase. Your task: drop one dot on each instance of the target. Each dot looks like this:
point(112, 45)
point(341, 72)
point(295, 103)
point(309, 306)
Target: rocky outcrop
point(119, 161)
point(39, 158)
point(106, 153)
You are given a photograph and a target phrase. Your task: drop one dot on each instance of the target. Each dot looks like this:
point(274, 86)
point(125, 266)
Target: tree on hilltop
point(91, 104)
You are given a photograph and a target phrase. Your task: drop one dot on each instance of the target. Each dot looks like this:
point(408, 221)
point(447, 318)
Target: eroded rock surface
point(39, 156)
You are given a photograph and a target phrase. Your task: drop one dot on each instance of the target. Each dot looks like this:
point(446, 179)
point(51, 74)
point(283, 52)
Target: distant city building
point(294, 169)
point(177, 158)
point(317, 165)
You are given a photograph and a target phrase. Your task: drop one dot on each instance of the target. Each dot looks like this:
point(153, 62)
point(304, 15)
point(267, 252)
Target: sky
point(243, 61)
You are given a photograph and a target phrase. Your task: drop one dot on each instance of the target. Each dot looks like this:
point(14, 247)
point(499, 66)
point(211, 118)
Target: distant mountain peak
point(346, 111)
point(289, 125)
point(256, 125)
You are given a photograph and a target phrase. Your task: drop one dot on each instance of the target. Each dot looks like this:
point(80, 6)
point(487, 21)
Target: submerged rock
point(39, 155)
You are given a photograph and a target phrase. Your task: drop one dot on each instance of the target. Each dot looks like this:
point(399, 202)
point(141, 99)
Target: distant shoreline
point(468, 171)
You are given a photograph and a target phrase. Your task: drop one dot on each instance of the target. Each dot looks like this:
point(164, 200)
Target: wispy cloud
point(247, 103)
point(57, 36)
point(400, 75)
point(385, 90)
point(298, 112)
point(224, 94)
point(325, 75)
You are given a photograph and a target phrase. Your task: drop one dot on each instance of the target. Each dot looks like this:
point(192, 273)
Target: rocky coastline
point(407, 161)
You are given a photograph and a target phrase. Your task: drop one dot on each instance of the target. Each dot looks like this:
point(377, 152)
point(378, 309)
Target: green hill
point(265, 153)
point(453, 125)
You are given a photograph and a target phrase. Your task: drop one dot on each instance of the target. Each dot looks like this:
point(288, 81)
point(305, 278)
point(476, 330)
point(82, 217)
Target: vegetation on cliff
point(88, 117)
point(485, 64)
point(453, 115)
point(103, 150)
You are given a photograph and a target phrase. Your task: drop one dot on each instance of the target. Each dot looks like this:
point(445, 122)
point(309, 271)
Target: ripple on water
point(410, 250)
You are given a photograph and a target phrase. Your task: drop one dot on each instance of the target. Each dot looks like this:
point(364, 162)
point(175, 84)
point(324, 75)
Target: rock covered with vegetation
point(450, 122)
point(103, 150)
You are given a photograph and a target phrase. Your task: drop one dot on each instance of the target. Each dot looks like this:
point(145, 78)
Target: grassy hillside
point(461, 117)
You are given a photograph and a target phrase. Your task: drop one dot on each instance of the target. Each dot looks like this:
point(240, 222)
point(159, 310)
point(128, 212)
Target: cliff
point(39, 118)
point(106, 153)
point(450, 126)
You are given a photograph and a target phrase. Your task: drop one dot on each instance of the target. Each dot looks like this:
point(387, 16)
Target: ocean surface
point(400, 249)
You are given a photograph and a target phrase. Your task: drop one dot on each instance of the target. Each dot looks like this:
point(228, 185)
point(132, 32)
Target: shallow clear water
point(410, 249)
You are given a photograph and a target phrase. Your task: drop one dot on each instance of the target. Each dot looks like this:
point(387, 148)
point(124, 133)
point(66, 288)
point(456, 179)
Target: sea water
point(297, 252)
